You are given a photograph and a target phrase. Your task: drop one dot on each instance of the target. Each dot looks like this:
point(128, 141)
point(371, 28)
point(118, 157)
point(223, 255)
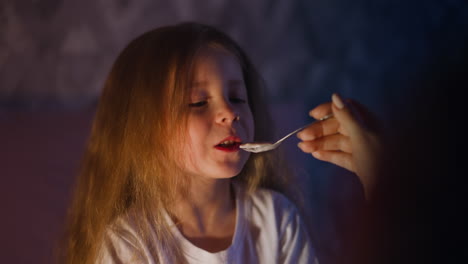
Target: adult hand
point(350, 139)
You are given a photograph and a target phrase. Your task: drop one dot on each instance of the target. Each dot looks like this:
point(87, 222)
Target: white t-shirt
point(268, 230)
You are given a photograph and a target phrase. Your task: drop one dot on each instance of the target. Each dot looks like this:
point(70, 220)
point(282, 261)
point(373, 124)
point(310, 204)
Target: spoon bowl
point(257, 147)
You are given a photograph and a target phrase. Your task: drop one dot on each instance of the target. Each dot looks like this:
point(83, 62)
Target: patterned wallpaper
point(56, 53)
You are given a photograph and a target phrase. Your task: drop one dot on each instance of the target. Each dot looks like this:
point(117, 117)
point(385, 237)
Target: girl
point(163, 179)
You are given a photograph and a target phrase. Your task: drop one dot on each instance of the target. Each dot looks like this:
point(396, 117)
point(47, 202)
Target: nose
point(226, 114)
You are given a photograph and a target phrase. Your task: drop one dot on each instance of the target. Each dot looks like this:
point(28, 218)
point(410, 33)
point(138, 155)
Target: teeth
point(228, 142)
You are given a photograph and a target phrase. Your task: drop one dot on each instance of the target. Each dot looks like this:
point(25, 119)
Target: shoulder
point(123, 230)
point(279, 225)
point(122, 242)
point(270, 210)
point(271, 201)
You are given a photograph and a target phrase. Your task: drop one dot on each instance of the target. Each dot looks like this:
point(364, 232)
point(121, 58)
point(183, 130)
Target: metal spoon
point(257, 147)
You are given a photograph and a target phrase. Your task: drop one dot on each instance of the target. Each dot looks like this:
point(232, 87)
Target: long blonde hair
point(129, 162)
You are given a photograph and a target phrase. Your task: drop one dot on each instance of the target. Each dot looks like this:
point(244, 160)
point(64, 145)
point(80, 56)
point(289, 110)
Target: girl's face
point(220, 117)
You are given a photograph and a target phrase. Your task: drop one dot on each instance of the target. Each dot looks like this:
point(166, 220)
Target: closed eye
point(198, 104)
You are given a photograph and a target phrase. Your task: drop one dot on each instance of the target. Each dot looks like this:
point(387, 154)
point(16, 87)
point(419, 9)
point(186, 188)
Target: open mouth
point(231, 144)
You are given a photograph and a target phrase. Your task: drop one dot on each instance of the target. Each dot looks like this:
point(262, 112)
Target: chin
point(229, 173)
point(226, 172)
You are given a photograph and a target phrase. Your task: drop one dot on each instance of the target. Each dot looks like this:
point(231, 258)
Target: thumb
point(344, 114)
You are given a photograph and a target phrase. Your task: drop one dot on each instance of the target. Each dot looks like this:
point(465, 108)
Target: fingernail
point(336, 99)
point(316, 154)
point(299, 135)
point(300, 145)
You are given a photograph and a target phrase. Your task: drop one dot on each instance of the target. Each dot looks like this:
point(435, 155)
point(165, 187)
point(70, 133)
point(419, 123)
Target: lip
point(233, 148)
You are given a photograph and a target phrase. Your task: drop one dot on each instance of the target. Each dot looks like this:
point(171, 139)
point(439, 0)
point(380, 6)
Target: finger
point(344, 115)
point(338, 158)
point(335, 142)
point(319, 129)
point(321, 110)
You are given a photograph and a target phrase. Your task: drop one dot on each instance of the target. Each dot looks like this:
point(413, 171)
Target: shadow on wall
point(414, 216)
point(40, 152)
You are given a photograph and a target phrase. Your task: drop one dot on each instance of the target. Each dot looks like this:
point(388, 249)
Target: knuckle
point(349, 164)
point(345, 144)
point(313, 146)
point(307, 134)
point(307, 146)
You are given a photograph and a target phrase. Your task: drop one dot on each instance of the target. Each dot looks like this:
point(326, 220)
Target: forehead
point(216, 64)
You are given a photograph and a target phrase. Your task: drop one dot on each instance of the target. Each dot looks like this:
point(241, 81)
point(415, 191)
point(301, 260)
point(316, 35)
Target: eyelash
point(198, 104)
point(203, 103)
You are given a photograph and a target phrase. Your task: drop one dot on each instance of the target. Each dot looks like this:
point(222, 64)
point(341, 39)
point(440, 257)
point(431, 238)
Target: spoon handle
point(299, 129)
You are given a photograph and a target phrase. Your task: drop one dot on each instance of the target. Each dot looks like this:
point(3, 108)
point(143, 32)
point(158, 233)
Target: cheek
point(188, 154)
point(196, 138)
point(197, 131)
point(186, 147)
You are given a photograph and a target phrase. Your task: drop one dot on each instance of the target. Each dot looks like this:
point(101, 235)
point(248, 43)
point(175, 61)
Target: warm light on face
point(219, 117)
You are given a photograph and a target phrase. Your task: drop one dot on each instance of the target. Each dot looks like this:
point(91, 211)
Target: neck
point(208, 201)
